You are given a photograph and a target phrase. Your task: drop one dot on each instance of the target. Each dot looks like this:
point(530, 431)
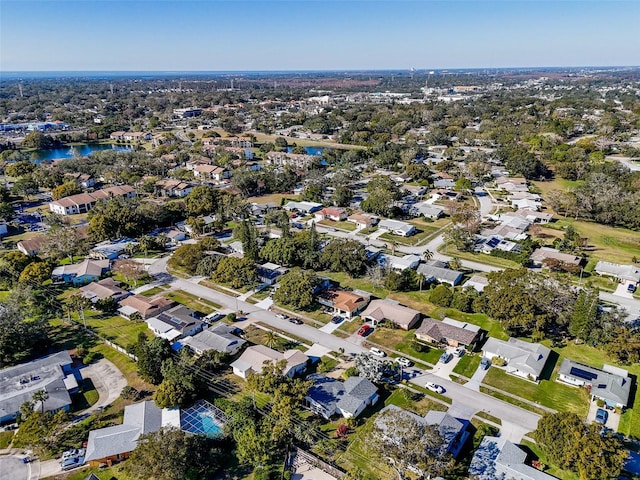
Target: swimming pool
point(202, 418)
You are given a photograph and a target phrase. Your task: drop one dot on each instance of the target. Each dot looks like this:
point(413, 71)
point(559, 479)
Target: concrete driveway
point(108, 380)
point(613, 419)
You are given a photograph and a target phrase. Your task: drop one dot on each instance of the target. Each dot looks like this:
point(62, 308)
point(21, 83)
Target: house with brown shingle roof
point(83, 202)
point(31, 246)
point(347, 304)
point(146, 307)
point(449, 331)
point(403, 317)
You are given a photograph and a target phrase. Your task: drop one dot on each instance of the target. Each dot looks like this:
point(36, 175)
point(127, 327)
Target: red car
point(364, 330)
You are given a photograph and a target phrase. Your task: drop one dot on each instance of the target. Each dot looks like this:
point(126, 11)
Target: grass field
point(402, 341)
point(422, 233)
point(421, 406)
point(348, 226)
point(451, 250)
point(192, 301)
point(117, 329)
point(361, 283)
point(548, 392)
point(272, 198)
point(467, 365)
point(5, 439)
point(152, 292)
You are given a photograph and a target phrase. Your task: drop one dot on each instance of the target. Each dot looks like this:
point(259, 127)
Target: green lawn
point(467, 365)
point(421, 406)
point(6, 438)
point(360, 283)
point(494, 327)
point(152, 292)
point(344, 225)
point(422, 233)
point(132, 283)
point(192, 301)
point(548, 392)
point(451, 250)
point(403, 342)
point(87, 396)
point(117, 329)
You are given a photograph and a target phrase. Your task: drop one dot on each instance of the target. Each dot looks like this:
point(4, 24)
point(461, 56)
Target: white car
point(435, 387)
point(377, 352)
point(281, 315)
point(405, 362)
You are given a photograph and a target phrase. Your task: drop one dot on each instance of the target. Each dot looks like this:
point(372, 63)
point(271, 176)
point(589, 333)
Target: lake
point(310, 150)
point(67, 152)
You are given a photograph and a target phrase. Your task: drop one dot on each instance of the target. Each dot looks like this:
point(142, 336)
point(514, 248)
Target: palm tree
point(271, 338)
point(427, 255)
point(40, 396)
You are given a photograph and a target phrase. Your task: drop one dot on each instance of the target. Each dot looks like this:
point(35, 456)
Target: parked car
point(282, 316)
point(405, 362)
point(297, 321)
point(364, 330)
point(631, 288)
point(377, 352)
point(337, 319)
point(435, 387)
point(602, 416)
point(459, 351)
point(485, 363)
point(446, 357)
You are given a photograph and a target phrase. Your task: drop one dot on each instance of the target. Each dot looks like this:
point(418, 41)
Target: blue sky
point(315, 35)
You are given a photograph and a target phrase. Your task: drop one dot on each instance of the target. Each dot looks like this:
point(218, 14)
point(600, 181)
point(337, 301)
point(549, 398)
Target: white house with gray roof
point(499, 459)
point(220, 338)
point(442, 275)
point(624, 273)
point(328, 397)
point(397, 227)
point(611, 384)
point(51, 373)
point(524, 359)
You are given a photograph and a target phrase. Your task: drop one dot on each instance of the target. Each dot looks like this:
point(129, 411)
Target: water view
point(77, 150)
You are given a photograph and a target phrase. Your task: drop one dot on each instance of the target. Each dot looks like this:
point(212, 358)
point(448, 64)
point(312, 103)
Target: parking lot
point(12, 468)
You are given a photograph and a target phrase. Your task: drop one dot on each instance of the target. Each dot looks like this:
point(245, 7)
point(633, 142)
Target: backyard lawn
point(403, 342)
point(344, 225)
point(422, 233)
point(421, 406)
point(117, 329)
point(87, 396)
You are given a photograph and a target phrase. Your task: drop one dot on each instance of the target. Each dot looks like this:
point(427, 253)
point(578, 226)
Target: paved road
point(108, 380)
point(12, 468)
point(468, 401)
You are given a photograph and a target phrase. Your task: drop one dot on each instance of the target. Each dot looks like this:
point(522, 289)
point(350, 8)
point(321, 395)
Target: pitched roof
point(499, 459)
point(343, 300)
point(439, 330)
point(524, 356)
point(446, 274)
point(395, 225)
point(144, 305)
point(105, 288)
point(86, 267)
point(398, 314)
point(542, 253)
point(216, 338)
point(606, 385)
point(254, 357)
point(333, 394)
point(624, 272)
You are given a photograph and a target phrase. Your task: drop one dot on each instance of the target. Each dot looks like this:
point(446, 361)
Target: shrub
point(412, 396)
point(441, 296)
point(498, 361)
point(129, 393)
point(419, 347)
point(89, 357)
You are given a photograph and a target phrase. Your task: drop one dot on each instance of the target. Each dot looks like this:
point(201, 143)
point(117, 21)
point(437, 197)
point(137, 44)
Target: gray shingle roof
point(524, 356)
point(439, 330)
point(440, 274)
point(218, 339)
point(333, 394)
point(605, 385)
point(110, 441)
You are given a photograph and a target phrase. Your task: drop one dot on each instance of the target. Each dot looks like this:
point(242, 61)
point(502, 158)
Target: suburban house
point(542, 255)
point(173, 188)
point(328, 397)
point(454, 431)
point(524, 359)
point(409, 261)
point(497, 242)
point(31, 246)
point(498, 458)
point(269, 272)
point(534, 216)
point(610, 384)
point(52, 374)
point(401, 316)
point(304, 207)
point(211, 172)
point(220, 338)
point(628, 274)
point(113, 444)
point(450, 332)
point(253, 358)
point(330, 213)
point(363, 220)
point(83, 202)
point(111, 250)
point(442, 275)
point(81, 273)
point(84, 180)
point(103, 289)
point(396, 227)
point(145, 307)
point(347, 304)
point(175, 323)
point(427, 210)
point(477, 282)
